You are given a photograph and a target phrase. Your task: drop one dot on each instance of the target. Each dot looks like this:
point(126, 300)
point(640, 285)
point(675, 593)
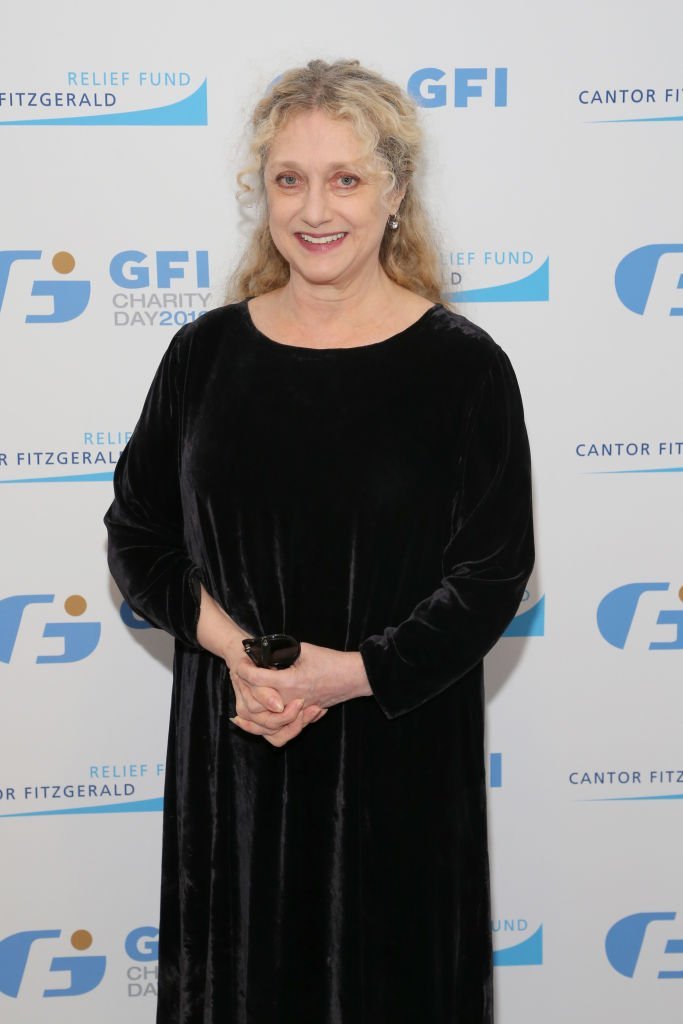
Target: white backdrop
point(554, 178)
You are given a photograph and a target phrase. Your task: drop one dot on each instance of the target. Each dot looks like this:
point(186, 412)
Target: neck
point(357, 301)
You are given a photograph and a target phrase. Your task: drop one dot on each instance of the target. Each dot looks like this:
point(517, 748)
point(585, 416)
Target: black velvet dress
point(376, 499)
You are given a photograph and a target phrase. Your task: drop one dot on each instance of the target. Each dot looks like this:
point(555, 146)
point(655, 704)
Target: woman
point(339, 457)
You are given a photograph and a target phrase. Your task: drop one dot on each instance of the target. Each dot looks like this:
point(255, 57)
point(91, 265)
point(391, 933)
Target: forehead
point(314, 134)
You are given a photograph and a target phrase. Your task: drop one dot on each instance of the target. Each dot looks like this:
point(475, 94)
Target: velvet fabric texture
point(377, 499)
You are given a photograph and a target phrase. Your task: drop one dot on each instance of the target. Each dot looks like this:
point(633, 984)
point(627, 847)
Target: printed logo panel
point(164, 288)
point(436, 87)
point(103, 788)
point(66, 299)
point(627, 939)
point(161, 288)
point(79, 972)
point(82, 973)
point(624, 783)
point(75, 640)
point(662, 618)
point(629, 455)
point(530, 617)
point(107, 98)
point(632, 102)
point(496, 275)
point(649, 280)
point(512, 951)
point(89, 458)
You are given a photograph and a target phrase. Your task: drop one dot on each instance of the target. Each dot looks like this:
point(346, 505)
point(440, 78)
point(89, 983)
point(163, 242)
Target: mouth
point(321, 243)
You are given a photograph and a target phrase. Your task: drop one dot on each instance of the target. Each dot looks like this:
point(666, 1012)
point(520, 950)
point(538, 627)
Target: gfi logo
point(617, 612)
point(79, 639)
point(85, 972)
point(626, 938)
point(651, 278)
point(428, 89)
point(69, 298)
point(130, 269)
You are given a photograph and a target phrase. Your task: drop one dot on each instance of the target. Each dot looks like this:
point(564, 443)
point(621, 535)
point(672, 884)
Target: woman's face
point(327, 213)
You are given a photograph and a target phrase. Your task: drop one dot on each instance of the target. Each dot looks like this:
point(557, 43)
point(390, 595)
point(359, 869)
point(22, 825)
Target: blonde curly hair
point(385, 120)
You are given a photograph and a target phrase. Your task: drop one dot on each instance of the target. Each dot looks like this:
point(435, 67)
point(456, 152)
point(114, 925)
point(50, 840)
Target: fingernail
point(300, 702)
point(276, 705)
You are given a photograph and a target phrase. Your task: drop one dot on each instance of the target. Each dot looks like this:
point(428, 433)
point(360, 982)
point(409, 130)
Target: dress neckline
point(373, 345)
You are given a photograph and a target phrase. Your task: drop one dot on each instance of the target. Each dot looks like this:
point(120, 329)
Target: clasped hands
point(279, 704)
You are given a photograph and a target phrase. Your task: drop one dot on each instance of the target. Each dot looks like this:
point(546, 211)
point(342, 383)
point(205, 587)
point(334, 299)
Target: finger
point(270, 722)
point(282, 736)
point(278, 737)
point(252, 705)
point(246, 725)
point(308, 716)
point(244, 700)
point(259, 681)
point(268, 698)
point(245, 706)
point(254, 701)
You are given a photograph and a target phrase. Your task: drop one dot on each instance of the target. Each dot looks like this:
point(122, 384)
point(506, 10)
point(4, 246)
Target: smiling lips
point(320, 243)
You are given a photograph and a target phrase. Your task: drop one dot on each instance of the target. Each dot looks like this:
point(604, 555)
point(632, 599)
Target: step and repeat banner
point(555, 148)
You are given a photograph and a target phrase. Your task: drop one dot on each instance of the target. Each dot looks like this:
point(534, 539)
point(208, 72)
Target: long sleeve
point(147, 554)
point(485, 565)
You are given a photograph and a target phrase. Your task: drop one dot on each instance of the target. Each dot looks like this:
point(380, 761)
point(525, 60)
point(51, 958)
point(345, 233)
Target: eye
point(287, 180)
point(347, 180)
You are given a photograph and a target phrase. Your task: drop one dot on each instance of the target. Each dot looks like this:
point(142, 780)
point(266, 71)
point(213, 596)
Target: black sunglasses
point(274, 650)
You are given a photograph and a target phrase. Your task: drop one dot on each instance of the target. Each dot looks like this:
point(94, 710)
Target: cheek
point(279, 207)
point(277, 229)
point(381, 209)
point(274, 213)
point(279, 232)
point(370, 215)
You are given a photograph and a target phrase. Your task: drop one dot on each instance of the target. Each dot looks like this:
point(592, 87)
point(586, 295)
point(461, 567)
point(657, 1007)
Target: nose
point(315, 210)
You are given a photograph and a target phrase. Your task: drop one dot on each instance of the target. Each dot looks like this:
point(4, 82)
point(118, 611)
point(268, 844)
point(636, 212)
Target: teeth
point(322, 241)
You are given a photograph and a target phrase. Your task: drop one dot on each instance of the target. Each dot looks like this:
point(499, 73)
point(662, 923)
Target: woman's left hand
point(320, 677)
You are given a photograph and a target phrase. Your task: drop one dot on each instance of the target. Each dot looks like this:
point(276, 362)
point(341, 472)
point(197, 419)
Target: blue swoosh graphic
point(535, 287)
point(528, 952)
point(73, 479)
point(613, 472)
point(628, 799)
point(530, 622)
point(191, 110)
point(153, 804)
point(635, 120)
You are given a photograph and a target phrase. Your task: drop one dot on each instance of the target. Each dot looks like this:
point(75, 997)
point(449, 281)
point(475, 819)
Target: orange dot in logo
point(680, 594)
point(75, 605)
point(81, 939)
point(63, 262)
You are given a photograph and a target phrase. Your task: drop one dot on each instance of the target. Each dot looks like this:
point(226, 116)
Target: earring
point(392, 222)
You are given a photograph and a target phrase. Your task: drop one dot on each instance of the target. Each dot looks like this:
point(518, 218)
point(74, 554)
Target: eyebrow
point(335, 165)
